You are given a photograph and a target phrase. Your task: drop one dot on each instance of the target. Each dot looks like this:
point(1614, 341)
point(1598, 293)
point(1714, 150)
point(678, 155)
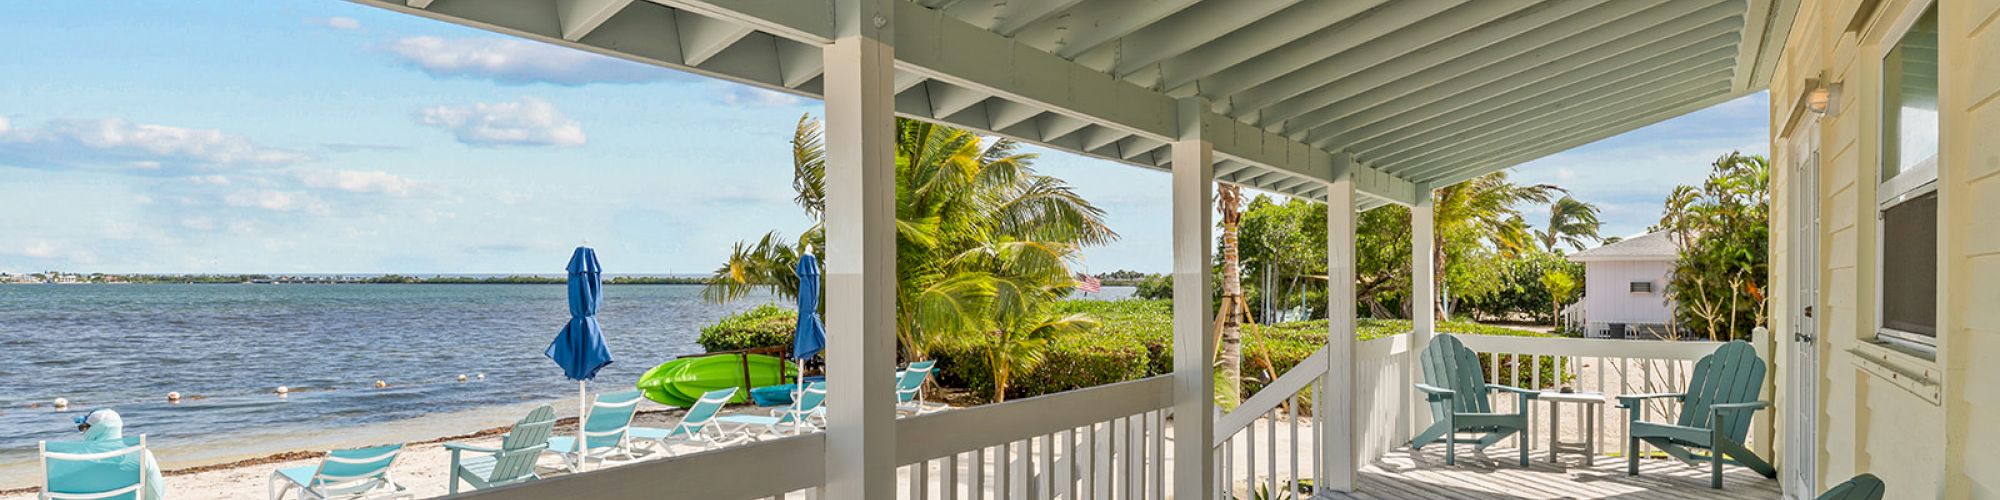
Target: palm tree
point(1572, 223)
point(1477, 217)
point(983, 242)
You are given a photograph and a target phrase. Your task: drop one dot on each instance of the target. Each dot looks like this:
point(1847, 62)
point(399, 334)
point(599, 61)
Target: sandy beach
point(423, 466)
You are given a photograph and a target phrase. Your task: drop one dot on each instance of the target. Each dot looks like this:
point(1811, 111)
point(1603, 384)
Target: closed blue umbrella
point(580, 349)
point(810, 336)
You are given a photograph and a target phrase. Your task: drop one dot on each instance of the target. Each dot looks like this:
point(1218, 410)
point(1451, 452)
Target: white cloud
point(45, 249)
point(199, 223)
point(357, 181)
point(278, 201)
point(339, 23)
point(519, 62)
point(524, 122)
point(116, 142)
point(747, 96)
point(212, 180)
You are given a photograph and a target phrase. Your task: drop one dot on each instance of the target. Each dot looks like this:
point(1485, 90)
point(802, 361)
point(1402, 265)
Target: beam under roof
point(1404, 94)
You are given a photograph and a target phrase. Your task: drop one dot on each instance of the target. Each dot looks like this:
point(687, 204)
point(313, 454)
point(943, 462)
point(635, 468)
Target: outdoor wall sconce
point(1818, 97)
point(1822, 97)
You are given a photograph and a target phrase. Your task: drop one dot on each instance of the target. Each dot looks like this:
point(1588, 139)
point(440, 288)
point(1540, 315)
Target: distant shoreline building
point(1625, 289)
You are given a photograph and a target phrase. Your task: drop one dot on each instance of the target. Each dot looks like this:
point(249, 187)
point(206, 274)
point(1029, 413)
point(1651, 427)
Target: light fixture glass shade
point(1820, 99)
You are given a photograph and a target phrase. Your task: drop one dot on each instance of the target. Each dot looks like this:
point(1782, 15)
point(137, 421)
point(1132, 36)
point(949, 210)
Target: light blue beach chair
point(700, 426)
point(806, 411)
point(513, 462)
point(910, 388)
point(606, 431)
point(350, 473)
point(80, 470)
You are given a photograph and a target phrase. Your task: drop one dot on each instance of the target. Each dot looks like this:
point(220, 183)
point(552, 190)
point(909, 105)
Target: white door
point(1801, 406)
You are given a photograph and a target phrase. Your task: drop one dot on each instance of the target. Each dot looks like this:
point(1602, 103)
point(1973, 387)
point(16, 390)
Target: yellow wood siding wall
point(1926, 441)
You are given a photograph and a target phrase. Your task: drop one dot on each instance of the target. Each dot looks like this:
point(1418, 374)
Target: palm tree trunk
point(1232, 295)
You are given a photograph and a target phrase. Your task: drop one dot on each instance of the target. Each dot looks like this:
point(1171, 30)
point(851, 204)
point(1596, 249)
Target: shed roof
point(1649, 246)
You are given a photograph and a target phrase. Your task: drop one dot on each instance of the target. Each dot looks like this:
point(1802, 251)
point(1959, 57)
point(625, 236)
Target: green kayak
point(680, 382)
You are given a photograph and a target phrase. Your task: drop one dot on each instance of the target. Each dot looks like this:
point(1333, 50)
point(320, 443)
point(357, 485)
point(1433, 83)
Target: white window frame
point(1912, 182)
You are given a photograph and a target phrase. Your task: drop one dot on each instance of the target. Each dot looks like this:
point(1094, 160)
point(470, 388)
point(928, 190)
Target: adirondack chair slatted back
point(94, 469)
point(1449, 364)
point(1732, 374)
point(524, 443)
point(1862, 487)
point(609, 418)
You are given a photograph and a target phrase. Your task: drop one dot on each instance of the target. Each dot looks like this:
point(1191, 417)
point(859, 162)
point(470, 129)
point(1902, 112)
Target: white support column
point(1339, 450)
point(861, 253)
point(1194, 371)
point(1423, 297)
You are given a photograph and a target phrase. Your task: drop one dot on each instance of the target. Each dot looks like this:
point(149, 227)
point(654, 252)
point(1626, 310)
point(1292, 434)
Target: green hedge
point(1134, 340)
point(765, 325)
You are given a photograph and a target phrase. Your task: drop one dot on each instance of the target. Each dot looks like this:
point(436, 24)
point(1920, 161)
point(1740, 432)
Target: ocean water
point(226, 347)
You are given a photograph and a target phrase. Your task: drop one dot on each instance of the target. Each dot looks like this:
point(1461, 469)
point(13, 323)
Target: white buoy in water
point(380, 384)
point(62, 403)
point(174, 397)
point(482, 376)
point(282, 390)
point(461, 377)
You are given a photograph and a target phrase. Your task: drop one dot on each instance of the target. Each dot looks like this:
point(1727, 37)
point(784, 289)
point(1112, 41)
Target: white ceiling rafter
point(1426, 92)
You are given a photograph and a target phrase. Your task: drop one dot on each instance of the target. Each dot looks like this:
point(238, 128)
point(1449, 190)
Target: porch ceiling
point(1408, 95)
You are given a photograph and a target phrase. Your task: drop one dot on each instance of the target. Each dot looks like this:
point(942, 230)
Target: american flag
point(1088, 283)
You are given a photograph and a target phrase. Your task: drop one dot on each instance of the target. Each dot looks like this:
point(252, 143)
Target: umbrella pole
point(582, 407)
point(798, 398)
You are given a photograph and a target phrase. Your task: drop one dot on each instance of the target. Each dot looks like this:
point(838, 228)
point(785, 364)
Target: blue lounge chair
point(806, 411)
point(80, 470)
point(351, 473)
point(700, 425)
point(513, 462)
point(606, 429)
point(910, 388)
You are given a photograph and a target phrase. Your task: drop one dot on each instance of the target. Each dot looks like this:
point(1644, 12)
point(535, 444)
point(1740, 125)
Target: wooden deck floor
point(1494, 475)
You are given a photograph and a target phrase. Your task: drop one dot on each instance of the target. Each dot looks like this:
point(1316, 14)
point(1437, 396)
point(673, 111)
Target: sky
point(317, 136)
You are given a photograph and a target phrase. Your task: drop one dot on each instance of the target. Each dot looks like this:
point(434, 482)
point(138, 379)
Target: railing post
point(861, 252)
point(1194, 380)
point(1423, 294)
point(1337, 422)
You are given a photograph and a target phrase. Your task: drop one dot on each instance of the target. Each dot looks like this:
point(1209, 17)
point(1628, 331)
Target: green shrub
point(765, 325)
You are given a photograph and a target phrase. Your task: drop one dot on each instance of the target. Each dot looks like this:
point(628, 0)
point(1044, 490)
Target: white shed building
point(1624, 289)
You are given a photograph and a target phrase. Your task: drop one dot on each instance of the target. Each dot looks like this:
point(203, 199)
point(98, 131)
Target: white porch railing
point(1111, 441)
point(1102, 442)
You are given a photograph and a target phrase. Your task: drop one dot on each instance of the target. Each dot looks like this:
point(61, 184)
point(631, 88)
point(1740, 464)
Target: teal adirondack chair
point(910, 387)
point(1715, 414)
point(513, 462)
point(1862, 487)
point(1457, 393)
point(95, 470)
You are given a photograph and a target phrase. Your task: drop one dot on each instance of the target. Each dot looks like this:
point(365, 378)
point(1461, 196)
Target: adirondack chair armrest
point(1631, 400)
point(1752, 406)
point(1524, 393)
point(470, 448)
point(1435, 393)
